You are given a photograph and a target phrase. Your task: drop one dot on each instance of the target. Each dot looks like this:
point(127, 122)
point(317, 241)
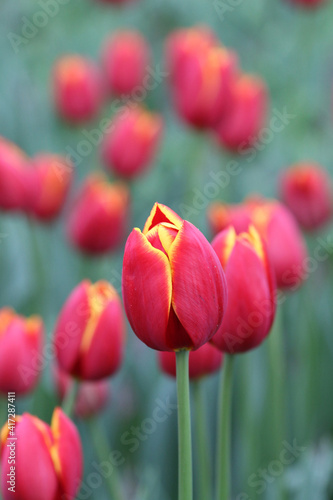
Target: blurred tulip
point(277, 226)
point(307, 191)
point(13, 167)
point(92, 397)
point(246, 115)
point(90, 332)
point(126, 56)
point(116, 2)
point(98, 219)
point(48, 459)
point(130, 146)
point(204, 361)
point(174, 288)
point(21, 344)
point(49, 180)
point(251, 290)
point(78, 88)
point(310, 4)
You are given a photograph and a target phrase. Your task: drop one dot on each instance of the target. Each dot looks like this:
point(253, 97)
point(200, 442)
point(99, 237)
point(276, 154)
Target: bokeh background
point(292, 49)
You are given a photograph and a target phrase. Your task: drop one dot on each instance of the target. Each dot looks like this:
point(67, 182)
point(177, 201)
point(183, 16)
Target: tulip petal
point(161, 213)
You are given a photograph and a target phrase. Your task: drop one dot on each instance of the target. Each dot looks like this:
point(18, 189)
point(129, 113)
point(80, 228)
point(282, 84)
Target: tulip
point(21, 343)
point(48, 459)
point(78, 88)
point(129, 147)
point(90, 332)
point(306, 190)
point(308, 4)
point(49, 178)
point(277, 226)
point(174, 288)
point(125, 57)
point(13, 167)
point(92, 397)
point(241, 125)
point(97, 221)
point(204, 361)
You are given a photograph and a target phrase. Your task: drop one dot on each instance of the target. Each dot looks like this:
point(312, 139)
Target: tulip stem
point(185, 482)
point(223, 470)
point(69, 399)
point(204, 465)
point(103, 455)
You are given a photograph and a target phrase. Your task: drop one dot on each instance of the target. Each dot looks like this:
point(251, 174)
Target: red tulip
point(49, 177)
point(309, 4)
point(126, 56)
point(306, 190)
point(48, 459)
point(13, 167)
point(98, 219)
point(174, 288)
point(90, 332)
point(92, 397)
point(130, 146)
point(277, 226)
point(78, 88)
point(251, 291)
point(240, 127)
point(21, 343)
point(204, 361)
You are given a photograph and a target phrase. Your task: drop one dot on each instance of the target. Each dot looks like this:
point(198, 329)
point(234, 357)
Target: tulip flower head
point(174, 288)
point(308, 4)
point(13, 168)
point(21, 342)
point(48, 459)
point(90, 332)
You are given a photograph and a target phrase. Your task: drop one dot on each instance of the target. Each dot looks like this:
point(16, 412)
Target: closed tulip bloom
point(307, 191)
point(89, 335)
point(49, 180)
point(78, 88)
point(48, 458)
point(240, 127)
point(21, 344)
point(129, 148)
point(251, 290)
point(98, 218)
point(174, 288)
point(13, 167)
point(126, 56)
point(204, 361)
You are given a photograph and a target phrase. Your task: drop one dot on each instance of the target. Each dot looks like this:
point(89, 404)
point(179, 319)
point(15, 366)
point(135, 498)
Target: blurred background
point(291, 48)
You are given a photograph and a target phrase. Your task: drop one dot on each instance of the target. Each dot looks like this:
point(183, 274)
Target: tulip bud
point(277, 226)
point(125, 57)
point(246, 116)
point(204, 361)
point(174, 288)
point(48, 459)
point(21, 343)
point(98, 219)
point(49, 180)
point(92, 397)
point(90, 332)
point(13, 167)
point(251, 290)
point(306, 190)
point(130, 146)
point(78, 88)
point(308, 4)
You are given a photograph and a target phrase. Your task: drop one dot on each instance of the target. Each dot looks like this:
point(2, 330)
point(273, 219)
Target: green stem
point(223, 469)
point(70, 398)
point(204, 465)
point(103, 452)
point(185, 482)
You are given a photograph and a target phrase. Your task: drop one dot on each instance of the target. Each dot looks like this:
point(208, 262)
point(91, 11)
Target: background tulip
point(204, 361)
point(174, 288)
point(13, 167)
point(307, 191)
point(78, 88)
point(89, 335)
point(48, 459)
point(98, 219)
point(131, 144)
point(21, 343)
point(310, 4)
